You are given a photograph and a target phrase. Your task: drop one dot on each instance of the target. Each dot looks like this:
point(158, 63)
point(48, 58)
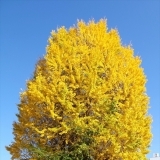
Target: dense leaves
point(86, 101)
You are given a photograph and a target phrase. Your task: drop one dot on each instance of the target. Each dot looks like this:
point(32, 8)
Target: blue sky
point(25, 27)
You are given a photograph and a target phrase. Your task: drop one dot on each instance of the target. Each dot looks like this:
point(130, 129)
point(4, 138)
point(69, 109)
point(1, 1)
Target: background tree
point(86, 100)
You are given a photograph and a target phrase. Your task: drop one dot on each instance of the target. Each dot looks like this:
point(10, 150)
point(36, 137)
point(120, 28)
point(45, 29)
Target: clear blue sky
point(25, 27)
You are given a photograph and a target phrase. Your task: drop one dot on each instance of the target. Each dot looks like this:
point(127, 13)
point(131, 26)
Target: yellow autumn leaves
point(86, 99)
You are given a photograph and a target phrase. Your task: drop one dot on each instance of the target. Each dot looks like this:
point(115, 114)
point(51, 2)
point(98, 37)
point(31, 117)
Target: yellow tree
point(86, 100)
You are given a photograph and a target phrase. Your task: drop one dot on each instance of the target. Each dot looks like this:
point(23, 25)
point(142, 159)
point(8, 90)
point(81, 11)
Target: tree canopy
point(86, 100)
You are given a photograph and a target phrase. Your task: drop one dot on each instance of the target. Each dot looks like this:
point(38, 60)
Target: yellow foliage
point(87, 85)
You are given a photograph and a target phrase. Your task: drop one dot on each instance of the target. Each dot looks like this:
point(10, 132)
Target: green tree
point(86, 101)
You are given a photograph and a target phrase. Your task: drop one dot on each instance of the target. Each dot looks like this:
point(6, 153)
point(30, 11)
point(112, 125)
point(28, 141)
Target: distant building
point(155, 156)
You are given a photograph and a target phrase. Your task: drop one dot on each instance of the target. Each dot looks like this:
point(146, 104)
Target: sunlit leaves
point(86, 100)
